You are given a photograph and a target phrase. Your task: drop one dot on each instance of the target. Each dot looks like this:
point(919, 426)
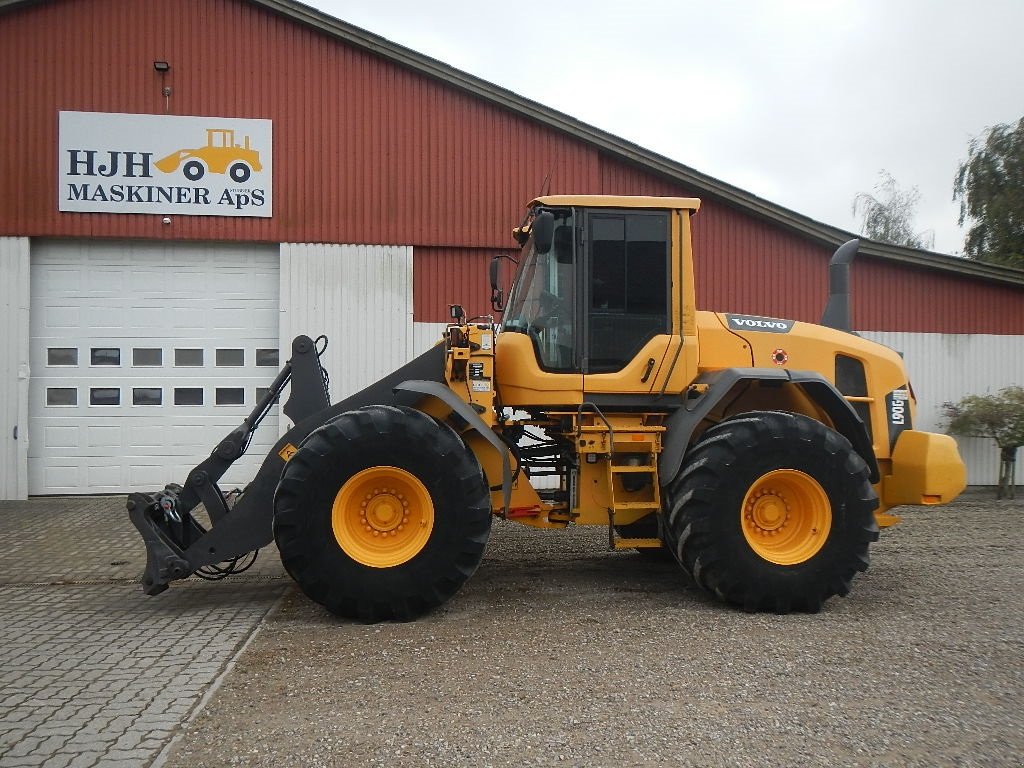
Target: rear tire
point(383, 513)
point(773, 512)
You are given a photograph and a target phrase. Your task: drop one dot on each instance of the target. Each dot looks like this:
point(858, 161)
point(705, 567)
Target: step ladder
point(653, 504)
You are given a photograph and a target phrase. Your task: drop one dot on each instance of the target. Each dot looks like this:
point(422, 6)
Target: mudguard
point(681, 425)
point(444, 393)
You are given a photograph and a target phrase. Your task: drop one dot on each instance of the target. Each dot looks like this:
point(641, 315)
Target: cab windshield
point(543, 300)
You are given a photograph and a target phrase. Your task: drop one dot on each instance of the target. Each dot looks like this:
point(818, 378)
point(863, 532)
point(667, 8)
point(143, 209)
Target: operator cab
point(594, 282)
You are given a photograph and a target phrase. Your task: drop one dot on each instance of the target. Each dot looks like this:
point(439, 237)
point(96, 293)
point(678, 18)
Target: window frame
point(585, 309)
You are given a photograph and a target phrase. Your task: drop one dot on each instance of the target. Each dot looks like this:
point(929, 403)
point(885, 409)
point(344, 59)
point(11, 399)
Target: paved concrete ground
point(555, 653)
point(93, 672)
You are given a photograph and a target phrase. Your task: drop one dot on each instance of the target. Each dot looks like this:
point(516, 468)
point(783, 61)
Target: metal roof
point(706, 186)
point(618, 201)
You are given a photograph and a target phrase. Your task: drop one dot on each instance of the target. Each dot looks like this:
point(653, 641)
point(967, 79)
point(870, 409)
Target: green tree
point(999, 417)
point(888, 215)
point(990, 187)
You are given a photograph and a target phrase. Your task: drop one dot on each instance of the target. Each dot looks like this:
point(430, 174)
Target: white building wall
point(360, 296)
point(426, 335)
point(14, 370)
point(944, 368)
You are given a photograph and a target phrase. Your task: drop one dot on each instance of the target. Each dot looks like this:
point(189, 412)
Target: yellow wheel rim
point(382, 517)
point(786, 517)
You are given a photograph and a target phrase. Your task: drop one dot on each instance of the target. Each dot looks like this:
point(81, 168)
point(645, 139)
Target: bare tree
point(888, 215)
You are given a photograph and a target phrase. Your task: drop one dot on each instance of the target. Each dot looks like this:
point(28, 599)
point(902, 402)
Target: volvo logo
point(764, 324)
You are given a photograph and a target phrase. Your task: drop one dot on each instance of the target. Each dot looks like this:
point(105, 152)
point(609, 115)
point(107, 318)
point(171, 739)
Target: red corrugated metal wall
point(365, 151)
point(743, 264)
point(369, 152)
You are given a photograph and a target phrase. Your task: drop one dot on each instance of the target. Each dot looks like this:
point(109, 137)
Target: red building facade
point(395, 180)
point(376, 144)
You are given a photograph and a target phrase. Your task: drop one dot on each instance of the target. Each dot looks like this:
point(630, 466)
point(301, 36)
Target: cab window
point(628, 287)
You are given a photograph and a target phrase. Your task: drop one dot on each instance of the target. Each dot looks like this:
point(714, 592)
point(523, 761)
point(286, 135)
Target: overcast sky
point(801, 102)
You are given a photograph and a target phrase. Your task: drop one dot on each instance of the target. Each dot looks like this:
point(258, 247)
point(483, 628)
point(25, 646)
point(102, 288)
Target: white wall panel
point(945, 368)
point(426, 335)
point(14, 370)
point(360, 296)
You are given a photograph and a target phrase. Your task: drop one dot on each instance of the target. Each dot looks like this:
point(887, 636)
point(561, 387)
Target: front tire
point(382, 513)
point(773, 512)
point(193, 170)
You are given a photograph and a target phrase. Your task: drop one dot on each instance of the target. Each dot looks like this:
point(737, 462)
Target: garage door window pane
point(146, 356)
point(188, 395)
point(188, 357)
point(147, 396)
point(61, 396)
point(230, 357)
point(267, 357)
point(261, 392)
point(230, 396)
point(62, 356)
point(105, 356)
point(104, 396)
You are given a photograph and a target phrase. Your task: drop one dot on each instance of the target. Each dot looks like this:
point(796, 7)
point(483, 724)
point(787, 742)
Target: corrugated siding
point(892, 297)
point(426, 335)
point(359, 296)
point(367, 151)
point(945, 367)
point(14, 320)
point(446, 276)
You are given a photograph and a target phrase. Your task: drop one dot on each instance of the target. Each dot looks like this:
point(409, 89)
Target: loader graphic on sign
point(220, 155)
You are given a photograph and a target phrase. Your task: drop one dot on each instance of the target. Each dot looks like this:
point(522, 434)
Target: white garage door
point(143, 356)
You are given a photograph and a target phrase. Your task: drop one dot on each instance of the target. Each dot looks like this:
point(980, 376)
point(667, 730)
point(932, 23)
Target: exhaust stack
point(837, 310)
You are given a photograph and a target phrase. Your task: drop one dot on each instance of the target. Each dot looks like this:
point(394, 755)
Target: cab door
point(628, 333)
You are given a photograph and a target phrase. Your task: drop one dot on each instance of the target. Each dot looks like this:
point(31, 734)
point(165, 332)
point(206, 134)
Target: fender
point(680, 425)
point(443, 393)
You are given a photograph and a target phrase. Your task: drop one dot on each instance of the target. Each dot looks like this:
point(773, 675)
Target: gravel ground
point(559, 652)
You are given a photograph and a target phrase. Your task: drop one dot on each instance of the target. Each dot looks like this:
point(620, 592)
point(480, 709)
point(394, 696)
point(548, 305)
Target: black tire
point(381, 438)
point(239, 172)
point(193, 170)
point(706, 511)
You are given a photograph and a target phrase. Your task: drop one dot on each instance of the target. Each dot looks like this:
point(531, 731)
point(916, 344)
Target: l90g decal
point(897, 410)
point(762, 324)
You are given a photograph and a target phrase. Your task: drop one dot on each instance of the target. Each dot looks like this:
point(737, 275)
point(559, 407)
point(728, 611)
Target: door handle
point(647, 371)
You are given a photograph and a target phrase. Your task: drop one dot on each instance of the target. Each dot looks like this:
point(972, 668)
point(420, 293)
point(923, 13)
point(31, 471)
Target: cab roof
point(617, 201)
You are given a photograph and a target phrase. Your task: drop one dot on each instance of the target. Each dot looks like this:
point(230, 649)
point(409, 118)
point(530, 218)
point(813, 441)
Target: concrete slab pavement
point(92, 671)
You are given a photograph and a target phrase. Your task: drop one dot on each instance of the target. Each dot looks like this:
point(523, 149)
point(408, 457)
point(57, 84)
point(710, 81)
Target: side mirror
point(493, 272)
point(543, 230)
point(497, 297)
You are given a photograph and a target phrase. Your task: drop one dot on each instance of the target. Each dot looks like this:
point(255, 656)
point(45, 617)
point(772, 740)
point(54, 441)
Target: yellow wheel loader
point(762, 454)
point(220, 155)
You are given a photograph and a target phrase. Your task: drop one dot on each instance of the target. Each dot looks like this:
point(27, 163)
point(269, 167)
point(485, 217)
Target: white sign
point(165, 164)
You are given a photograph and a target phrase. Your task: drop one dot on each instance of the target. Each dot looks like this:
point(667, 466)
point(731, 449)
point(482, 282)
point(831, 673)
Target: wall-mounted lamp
point(161, 66)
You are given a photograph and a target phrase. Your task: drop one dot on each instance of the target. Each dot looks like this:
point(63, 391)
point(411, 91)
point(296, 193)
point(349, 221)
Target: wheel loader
point(762, 454)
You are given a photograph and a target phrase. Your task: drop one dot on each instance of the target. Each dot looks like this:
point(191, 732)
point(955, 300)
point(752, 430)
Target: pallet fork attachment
point(177, 545)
